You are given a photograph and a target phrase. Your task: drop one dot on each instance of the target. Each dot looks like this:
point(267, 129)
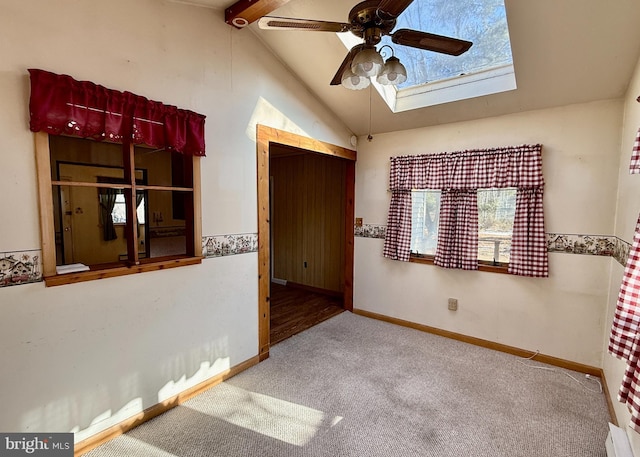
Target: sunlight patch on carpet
point(282, 420)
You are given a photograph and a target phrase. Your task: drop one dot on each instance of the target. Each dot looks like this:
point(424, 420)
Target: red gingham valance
point(513, 166)
point(624, 339)
point(61, 105)
point(459, 175)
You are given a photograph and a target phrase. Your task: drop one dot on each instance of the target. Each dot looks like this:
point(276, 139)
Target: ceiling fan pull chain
point(369, 137)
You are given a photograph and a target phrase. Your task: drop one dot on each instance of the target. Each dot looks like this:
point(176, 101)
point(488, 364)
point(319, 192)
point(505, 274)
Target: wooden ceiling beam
point(244, 12)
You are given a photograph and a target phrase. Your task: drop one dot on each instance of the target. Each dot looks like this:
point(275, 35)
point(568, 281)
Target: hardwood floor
point(294, 309)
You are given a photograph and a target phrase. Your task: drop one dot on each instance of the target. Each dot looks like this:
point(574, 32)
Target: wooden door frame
point(264, 137)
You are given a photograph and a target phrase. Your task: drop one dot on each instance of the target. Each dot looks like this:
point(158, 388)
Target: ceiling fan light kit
point(367, 62)
point(371, 20)
point(393, 73)
point(354, 82)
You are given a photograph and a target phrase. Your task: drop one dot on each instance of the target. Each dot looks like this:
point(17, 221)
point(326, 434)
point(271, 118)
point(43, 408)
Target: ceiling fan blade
point(286, 23)
point(391, 9)
point(346, 63)
point(431, 42)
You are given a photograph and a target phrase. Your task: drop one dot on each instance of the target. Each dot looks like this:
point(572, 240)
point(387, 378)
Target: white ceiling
point(564, 52)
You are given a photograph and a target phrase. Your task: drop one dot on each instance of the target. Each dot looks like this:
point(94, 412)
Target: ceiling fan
point(371, 20)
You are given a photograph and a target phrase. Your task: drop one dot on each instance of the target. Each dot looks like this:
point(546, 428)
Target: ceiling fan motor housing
point(367, 24)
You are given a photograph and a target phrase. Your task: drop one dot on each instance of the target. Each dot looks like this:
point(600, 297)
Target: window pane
point(78, 151)
point(425, 214)
point(496, 211)
point(164, 168)
point(82, 232)
point(168, 235)
point(119, 213)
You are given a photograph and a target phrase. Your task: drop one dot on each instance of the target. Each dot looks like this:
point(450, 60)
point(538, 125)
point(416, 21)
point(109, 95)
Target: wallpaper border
point(224, 245)
point(20, 267)
point(601, 245)
point(25, 267)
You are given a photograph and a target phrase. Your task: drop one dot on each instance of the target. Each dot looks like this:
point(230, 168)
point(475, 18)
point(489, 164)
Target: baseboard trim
point(110, 433)
point(317, 290)
point(555, 361)
point(605, 390)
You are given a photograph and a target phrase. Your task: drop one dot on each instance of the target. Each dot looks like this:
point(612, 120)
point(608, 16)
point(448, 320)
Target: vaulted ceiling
point(564, 52)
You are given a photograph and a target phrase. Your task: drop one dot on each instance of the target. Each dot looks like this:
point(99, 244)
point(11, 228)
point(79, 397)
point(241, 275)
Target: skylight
point(434, 78)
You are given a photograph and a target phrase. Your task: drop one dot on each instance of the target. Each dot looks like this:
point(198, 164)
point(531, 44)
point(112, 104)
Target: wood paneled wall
point(308, 218)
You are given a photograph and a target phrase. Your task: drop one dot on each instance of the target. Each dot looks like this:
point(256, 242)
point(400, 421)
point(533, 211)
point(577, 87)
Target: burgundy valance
point(61, 105)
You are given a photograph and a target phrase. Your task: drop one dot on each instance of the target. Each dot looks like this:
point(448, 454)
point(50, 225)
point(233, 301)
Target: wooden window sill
point(503, 269)
point(104, 271)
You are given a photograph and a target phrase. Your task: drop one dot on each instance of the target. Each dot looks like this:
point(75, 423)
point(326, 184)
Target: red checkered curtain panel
point(458, 230)
point(624, 339)
point(529, 241)
point(459, 175)
point(634, 168)
point(397, 241)
point(60, 105)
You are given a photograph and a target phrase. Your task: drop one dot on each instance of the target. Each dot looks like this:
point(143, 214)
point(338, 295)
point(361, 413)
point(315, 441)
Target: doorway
point(268, 140)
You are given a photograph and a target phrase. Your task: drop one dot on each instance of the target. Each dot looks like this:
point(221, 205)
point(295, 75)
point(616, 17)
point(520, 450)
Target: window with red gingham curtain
point(458, 175)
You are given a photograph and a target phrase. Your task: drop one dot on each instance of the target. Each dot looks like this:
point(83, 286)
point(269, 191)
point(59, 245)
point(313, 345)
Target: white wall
point(82, 357)
point(562, 315)
point(628, 208)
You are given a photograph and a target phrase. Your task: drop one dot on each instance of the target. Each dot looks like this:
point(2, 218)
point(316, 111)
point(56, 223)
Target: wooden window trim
point(265, 136)
point(502, 268)
point(160, 263)
point(47, 227)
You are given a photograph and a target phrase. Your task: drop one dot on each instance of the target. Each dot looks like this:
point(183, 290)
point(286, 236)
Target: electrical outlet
point(358, 222)
point(453, 304)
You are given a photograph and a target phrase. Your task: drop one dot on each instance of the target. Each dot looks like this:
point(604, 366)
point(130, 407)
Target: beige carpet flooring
point(353, 386)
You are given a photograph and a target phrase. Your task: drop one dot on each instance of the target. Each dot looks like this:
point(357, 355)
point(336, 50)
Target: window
point(425, 215)
point(434, 78)
point(94, 224)
point(512, 178)
point(496, 212)
point(126, 203)
point(119, 213)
